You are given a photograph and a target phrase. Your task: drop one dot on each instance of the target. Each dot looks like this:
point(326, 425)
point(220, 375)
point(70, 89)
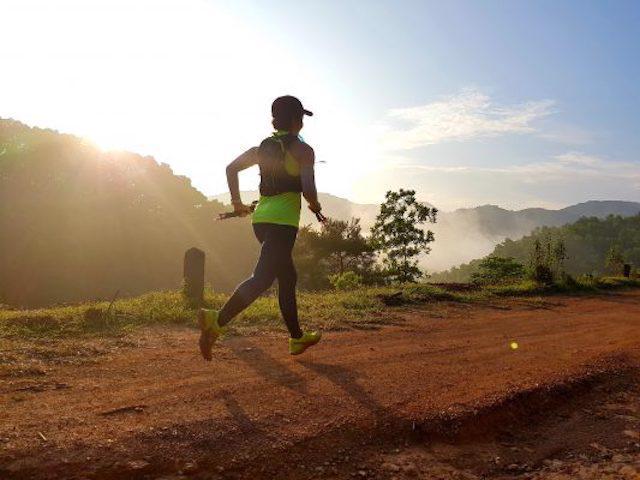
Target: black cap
point(288, 107)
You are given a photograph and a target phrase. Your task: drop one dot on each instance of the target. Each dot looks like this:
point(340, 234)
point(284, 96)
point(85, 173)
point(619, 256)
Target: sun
point(172, 79)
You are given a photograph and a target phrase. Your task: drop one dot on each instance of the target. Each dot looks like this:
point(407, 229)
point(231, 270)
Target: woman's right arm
point(244, 161)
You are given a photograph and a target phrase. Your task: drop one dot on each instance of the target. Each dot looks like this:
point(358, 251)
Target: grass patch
point(96, 318)
point(326, 310)
point(525, 287)
point(331, 310)
point(584, 284)
point(617, 282)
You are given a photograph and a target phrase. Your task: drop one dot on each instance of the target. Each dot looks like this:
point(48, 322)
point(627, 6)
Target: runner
point(286, 165)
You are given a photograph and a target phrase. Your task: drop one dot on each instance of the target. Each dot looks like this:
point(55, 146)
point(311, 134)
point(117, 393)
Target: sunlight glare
point(183, 80)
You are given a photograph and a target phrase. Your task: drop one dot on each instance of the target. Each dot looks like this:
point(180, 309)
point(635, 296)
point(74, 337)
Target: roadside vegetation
point(361, 307)
point(349, 280)
point(335, 310)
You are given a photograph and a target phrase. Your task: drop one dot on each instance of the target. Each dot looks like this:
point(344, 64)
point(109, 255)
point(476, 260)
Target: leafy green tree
point(338, 247)
point(496, 270)
point(344, 246)
point(310, 264)
point(398, 235)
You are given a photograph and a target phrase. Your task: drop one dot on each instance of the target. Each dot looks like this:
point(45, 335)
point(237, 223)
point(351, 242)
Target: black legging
point(275, 262)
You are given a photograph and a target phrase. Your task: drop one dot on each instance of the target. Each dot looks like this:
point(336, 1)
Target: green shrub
point(345, 281)
point(496, 270)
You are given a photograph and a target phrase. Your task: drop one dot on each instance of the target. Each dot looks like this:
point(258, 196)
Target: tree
point(397, 233)
point(559, 256)
point(338, 247)
point(614, 260)
point(344, 246)
point(311, 267)
point(540, 263)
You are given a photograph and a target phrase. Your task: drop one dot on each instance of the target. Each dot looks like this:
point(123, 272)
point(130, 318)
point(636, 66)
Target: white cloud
point(577, 158)
point(571, 166)
point(564, 166)
point(466, 115)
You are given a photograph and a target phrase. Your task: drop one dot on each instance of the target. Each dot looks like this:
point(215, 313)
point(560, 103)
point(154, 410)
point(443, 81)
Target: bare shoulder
point(303, 153)
point(252, 153)
point(244, 161)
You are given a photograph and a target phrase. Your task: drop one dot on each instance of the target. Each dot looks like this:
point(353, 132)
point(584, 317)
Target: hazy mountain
point(587, 243)
point(493, 220)
point(78, 223)
point(468, 233)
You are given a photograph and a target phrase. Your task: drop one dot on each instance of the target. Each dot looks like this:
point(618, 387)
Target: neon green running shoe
point(299, 345)
point(209, 331)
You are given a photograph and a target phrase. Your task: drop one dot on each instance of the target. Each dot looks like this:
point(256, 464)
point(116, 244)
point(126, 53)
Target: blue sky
point(511, 103)
point(583, 54)
point(581, 57)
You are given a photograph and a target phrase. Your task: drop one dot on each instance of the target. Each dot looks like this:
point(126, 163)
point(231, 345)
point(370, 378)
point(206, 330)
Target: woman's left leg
point(287, 278)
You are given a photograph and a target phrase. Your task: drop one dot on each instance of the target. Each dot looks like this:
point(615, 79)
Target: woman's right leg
point(263, 276)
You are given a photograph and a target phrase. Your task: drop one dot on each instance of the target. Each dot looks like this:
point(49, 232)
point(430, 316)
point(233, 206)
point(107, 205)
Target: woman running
point(286, 165)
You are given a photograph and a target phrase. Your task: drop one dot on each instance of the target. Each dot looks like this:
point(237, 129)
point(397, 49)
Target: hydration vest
point(279, 170)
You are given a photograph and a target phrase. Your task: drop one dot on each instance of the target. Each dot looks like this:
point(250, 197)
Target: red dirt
point(361, 404)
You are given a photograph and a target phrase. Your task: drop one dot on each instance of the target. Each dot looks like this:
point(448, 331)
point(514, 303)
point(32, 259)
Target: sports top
point(280, 183)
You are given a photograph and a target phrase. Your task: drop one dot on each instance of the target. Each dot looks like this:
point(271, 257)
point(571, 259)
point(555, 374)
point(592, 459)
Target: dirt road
point(438, 377)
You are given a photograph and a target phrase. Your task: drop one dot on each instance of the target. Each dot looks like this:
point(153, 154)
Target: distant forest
point(588, 242)
point(78, 223)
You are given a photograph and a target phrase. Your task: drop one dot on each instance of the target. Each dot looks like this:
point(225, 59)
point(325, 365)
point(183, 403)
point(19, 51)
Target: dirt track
point(342, 410)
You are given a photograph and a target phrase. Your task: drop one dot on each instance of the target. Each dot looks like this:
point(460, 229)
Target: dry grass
point(330, 310)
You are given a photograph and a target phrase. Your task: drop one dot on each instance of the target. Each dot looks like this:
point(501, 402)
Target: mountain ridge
point(251, 195)
point(467, 233)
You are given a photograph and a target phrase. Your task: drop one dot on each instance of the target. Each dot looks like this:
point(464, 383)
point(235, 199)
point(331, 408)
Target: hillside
point(80, 223)
point(494, 221)
point(587, 242)
point(470, 233)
